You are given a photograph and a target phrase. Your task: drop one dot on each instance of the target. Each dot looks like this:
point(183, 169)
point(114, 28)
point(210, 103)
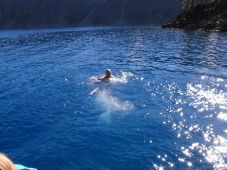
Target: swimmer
point(107, 77)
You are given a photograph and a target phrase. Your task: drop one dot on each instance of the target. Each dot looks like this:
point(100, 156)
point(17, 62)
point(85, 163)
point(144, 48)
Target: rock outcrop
point(209, 17)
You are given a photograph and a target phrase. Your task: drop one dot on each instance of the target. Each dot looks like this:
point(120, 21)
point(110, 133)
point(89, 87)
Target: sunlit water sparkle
point(166, 109)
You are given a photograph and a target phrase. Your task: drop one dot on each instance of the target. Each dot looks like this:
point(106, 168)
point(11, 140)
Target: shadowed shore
point(72, 13)
point(209, 17)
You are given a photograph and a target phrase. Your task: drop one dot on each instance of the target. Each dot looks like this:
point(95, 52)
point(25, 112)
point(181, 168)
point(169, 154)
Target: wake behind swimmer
point(108, 103)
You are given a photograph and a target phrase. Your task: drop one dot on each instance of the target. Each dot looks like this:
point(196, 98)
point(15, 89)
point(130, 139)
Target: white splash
point(110, 104)
point(123, 77)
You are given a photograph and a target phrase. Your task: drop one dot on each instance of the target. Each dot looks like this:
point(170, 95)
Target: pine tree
point(187, 4)
point(190, 4)
point(184, 5)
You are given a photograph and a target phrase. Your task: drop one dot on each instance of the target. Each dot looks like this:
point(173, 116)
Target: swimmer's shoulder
point(105, 80)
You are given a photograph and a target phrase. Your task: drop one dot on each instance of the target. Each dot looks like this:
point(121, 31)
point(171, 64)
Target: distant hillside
point(57, 13)
point(211, 17)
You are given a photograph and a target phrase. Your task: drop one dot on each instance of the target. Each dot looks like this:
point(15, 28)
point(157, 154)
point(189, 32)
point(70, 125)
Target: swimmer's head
point(108, 73)
point(6, 163)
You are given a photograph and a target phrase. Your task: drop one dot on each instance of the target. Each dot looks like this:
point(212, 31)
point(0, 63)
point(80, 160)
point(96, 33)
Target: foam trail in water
point(110, 104)
point(94, 91)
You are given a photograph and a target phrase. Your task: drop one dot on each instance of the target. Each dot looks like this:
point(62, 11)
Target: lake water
point(167, 111)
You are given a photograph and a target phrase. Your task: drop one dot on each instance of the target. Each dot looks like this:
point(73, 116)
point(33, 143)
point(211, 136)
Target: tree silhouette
point(187, 4)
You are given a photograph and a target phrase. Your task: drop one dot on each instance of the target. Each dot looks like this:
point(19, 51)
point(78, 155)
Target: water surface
point(169, 111)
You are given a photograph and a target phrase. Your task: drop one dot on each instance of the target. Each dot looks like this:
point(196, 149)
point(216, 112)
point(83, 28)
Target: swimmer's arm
point(100, 78)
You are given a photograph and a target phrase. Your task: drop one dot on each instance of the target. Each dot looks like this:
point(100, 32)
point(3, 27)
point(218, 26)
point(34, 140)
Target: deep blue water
point(167, 111)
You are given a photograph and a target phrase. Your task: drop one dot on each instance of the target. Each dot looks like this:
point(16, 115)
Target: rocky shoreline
point(209, 17)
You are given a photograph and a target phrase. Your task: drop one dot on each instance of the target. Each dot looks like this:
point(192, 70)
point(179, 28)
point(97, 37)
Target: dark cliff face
point(210, 17)
point(54, 13)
